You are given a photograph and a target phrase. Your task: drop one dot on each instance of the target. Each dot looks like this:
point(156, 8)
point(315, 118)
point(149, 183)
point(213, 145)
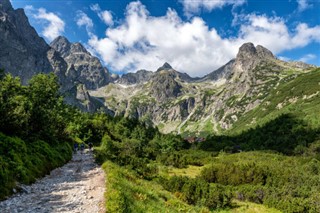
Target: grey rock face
point(164, 85)
point(78, 96)
point(82, 66)
point(247, 59)
point(143, 76)
point(246, 51)
point(23, 53)
point(5, 5)
point(223, 72)
point(61, 45)
point(175, 74)
point(140, 76)
point(179, 104)
point(165, 66)
point(264, 52)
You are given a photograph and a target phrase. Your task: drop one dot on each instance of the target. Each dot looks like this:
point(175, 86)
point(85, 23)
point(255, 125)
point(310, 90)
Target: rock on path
point(78, 186)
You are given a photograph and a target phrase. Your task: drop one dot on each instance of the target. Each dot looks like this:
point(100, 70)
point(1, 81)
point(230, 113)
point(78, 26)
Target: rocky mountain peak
point(165, 66)
point(264, 52)
point(23, 52)
point(65, 47)
point(164, 85)
point(62, 45)
point(60, 40)
point(78, 48)
point(5, 5)
point(247, 51)
point(250, 56)
point(140, 76)
point(83, 67)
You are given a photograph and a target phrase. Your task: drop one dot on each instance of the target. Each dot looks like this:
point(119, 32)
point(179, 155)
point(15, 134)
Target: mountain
point(82, 66)
point(175, 102)
point(140, 76)
point(23, 52)
point(167, 98)
point(222, 73)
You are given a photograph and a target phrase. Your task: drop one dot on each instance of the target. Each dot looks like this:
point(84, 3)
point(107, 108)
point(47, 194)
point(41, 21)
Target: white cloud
point(307, 58)
point(274, 34)
point(146, 42)
point(105, 16)
point(53, 24)
point(303, 5)
point(283, 58)
point(82, 19)
point(194, 6)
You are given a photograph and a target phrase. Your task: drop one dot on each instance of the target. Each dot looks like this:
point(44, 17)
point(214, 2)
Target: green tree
point(48, 110)
point(14, 106)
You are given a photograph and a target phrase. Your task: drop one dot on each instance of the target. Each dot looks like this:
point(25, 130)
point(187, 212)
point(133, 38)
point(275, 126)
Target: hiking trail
point(78, 186)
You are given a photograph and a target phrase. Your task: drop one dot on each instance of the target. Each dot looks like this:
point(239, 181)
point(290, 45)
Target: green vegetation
point(264, 166)
point(25, 161)
point(297, 95)
point(33, 120)
point(285, 134)
point(190, 171)
point(287, 183)
point(37, 130)
point(283, 175)
point(127, 192)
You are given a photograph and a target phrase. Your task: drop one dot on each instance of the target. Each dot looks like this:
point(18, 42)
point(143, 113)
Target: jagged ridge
point(176, 102)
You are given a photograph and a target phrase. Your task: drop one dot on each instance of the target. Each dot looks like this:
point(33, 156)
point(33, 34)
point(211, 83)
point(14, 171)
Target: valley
point(244, 137)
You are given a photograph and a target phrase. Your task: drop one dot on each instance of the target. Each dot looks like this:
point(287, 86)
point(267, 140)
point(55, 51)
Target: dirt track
point(78, 186)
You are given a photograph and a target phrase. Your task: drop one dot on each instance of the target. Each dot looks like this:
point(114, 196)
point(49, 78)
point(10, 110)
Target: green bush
point(198, 192)
point(127, 192)
point(288, 183)
point(23, 162)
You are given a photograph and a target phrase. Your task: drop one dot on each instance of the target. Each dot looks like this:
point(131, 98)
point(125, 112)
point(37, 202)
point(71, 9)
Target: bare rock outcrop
point(23, 53)
point(82, 66)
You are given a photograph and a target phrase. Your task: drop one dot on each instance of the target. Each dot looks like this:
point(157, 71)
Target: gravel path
point(78, 186)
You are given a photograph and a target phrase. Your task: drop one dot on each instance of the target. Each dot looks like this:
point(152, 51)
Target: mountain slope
point(178, 103)
point(173, 101)
point(82, 66)
point(297, 95)
point(23, 53)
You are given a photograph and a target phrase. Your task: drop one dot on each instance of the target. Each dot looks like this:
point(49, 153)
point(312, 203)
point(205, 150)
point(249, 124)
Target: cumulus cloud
point(194, 6)
point(53, 24)
point(105, 16)
point(307, 58)
point(146, 42)
point(274, 34)
point(303, 5)
point(82, 19)
point(283, 58)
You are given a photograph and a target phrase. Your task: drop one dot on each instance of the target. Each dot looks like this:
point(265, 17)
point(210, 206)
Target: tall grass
point(23, 162)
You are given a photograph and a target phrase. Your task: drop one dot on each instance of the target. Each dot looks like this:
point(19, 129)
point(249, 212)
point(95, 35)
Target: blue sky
point(194, 36)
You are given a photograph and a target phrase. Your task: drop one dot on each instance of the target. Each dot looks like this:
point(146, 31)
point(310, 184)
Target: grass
point(307, 107)
point(190, 171)
point(248, 207)
point(24, 162)
point(126, 192)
